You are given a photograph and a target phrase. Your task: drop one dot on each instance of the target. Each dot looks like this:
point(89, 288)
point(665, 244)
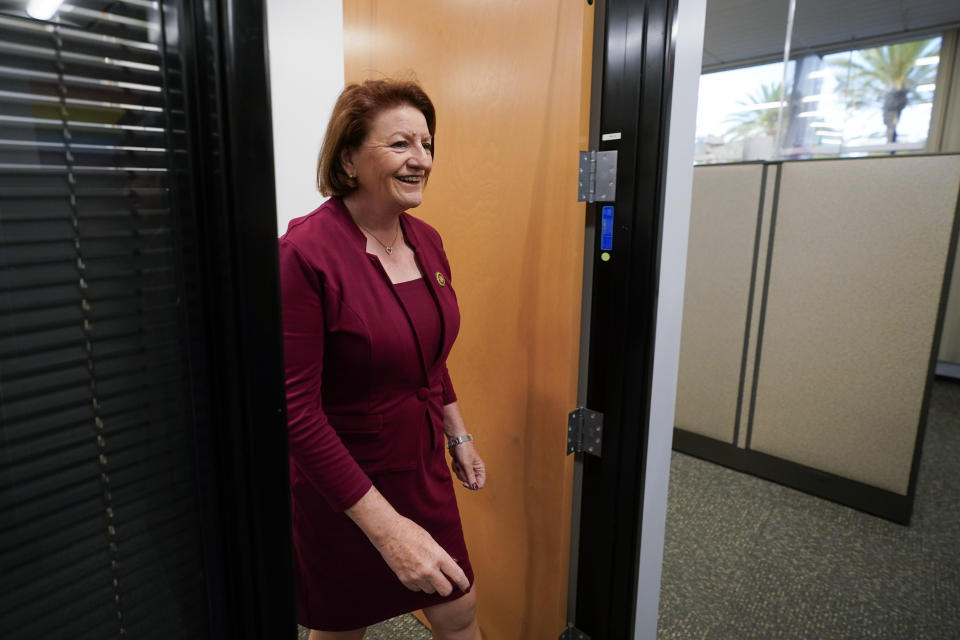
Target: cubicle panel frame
point(761, 249)
point(858, 495)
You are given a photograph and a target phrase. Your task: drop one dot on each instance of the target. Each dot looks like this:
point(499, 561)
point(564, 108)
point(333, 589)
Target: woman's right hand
point(418, 561)
point(414, 556)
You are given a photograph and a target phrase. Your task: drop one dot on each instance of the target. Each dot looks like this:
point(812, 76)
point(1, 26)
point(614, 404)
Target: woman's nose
point(421, 156)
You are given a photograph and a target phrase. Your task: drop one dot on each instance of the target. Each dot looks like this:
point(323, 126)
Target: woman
point(369, 316)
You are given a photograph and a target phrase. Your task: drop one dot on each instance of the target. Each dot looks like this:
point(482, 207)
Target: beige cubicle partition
point(723, 220)
point(855, 288)
point(829, 366)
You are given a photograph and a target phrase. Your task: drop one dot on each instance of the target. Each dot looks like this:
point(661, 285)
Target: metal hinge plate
point(598, 176)
point(572, 633)
point(584, 431)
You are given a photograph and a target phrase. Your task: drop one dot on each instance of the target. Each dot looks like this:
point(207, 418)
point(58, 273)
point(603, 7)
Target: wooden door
point(510, 81)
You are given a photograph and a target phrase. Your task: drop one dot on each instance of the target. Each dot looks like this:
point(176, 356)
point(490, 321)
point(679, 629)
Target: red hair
point(350, 123)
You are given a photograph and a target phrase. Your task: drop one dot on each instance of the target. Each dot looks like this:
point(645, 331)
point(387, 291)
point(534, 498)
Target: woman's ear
point(346, 161)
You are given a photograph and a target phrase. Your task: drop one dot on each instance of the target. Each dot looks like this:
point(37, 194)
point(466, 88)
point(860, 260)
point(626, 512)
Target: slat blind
point(99, 527)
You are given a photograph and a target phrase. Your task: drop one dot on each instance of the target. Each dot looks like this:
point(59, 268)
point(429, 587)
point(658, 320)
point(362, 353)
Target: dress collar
point(353, 230)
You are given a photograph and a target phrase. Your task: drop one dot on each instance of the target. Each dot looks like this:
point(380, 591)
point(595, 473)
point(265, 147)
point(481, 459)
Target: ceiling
point(748, 31)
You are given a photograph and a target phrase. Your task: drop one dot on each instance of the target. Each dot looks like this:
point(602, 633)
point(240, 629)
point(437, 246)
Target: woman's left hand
point(468, 466)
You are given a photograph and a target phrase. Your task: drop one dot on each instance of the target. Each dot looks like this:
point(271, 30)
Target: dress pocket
point(380, 444)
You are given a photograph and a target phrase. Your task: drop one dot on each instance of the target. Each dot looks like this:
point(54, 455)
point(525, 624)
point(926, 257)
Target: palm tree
point(887, 75)
point(758, 121)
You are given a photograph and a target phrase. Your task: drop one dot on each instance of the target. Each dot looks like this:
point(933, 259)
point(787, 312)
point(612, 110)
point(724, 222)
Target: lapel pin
point(441, 280)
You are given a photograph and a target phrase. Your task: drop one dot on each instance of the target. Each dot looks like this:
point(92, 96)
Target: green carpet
point(401, 628)
point(747, 559)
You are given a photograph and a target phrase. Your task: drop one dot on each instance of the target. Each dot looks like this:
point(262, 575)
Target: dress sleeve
point(449, 395)
point(315, 447)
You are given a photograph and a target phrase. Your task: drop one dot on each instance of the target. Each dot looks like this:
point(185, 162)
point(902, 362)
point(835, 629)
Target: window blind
point(99, 527)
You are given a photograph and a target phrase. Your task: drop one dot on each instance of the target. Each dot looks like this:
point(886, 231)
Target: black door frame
point(226, 194)
point(634, 62)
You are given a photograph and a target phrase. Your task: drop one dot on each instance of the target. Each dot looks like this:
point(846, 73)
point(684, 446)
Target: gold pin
point(441, 280)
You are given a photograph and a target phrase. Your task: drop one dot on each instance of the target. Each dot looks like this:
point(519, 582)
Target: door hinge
point(598, 176)
point(584, 431)
point(572, 633)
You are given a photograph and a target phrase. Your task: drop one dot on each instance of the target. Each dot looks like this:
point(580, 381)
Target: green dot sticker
point(605, 256)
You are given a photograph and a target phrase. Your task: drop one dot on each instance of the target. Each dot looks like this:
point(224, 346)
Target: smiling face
point(393, 163)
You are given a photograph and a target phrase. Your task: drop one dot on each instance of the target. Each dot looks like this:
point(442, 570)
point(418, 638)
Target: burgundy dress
point(378, 352)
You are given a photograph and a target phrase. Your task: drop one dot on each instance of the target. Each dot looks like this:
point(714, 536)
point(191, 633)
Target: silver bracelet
point(452, 442)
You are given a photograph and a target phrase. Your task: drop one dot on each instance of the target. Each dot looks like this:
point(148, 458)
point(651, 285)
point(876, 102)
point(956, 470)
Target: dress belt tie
point(424, 393)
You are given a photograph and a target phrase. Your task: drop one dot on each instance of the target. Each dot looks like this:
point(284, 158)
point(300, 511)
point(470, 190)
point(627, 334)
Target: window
point(100, 513)
point(849, 103)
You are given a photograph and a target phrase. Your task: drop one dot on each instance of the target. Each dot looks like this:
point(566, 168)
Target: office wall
point(305, 42)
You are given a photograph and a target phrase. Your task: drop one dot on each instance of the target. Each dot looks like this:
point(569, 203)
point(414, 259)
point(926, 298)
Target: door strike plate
point(584, 431)
point(572, 633)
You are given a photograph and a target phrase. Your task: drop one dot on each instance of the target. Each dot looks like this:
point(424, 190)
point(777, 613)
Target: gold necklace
point(387, 248)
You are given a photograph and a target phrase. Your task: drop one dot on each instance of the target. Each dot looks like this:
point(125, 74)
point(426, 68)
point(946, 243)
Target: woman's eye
point(428, 146)
point(399, 144)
